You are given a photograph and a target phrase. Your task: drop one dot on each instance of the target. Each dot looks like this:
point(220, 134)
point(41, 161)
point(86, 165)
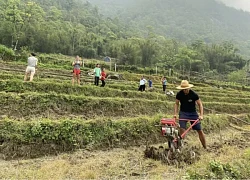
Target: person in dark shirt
point(188, 99)
point(150, 83)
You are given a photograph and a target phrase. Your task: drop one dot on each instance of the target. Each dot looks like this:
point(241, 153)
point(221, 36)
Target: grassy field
point(226, 147)
point(50, 129)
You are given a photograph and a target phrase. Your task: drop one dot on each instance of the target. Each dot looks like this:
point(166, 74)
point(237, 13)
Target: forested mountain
point(58, 26)
point(138, 32)
point(186, 20)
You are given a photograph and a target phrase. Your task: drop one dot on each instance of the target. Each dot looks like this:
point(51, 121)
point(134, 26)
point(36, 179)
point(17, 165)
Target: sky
point(239, 4)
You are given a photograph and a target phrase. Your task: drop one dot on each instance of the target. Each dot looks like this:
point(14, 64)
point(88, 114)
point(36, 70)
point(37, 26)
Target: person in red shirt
point(103, 77)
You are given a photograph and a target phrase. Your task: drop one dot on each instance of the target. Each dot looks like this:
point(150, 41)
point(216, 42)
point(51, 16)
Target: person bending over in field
point(31, 68)
point(188, 100)
point(76, 71)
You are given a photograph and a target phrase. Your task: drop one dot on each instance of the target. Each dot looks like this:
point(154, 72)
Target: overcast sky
point(239, 4)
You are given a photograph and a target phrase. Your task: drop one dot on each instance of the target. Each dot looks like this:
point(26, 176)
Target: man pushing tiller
point(174, 132)
point(188, 99)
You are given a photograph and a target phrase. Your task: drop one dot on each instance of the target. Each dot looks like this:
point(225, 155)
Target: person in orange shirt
point(103, 77)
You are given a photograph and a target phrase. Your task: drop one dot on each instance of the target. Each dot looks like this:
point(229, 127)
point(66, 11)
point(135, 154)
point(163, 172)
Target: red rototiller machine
point(171, 130)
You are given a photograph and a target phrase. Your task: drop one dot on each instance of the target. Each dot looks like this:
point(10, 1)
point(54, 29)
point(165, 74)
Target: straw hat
point(185, 85)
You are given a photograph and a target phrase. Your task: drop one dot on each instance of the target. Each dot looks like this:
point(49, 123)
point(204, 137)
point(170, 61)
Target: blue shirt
point(164, 82)
point(150, 83)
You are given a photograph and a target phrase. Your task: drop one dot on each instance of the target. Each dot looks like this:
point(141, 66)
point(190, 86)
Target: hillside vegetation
point(78, 28)
point(208, 20)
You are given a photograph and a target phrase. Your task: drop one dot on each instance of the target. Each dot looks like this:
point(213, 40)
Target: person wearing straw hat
point(188, 99)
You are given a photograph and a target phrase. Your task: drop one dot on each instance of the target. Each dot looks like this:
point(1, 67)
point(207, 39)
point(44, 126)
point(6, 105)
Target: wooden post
point(110, 64)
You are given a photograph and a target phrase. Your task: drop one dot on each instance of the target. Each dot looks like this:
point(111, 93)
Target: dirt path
point(129, 163)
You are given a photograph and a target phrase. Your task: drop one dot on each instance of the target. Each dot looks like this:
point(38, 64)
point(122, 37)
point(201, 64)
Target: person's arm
point(176, 107)
point(200, 108)
point(73, 63)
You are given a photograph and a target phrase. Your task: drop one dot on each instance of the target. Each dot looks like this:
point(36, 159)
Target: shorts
point(30, 69)
point(191, 116)
point(76, 71)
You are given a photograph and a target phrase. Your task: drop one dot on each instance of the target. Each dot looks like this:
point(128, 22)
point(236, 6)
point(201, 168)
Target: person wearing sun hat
point(187, 99)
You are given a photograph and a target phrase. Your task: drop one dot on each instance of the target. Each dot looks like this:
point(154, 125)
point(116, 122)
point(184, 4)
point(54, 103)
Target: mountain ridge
point(209, 20)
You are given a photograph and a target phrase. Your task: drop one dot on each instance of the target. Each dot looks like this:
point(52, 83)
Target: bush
point(24, 54)
point(44, 136)
point(217, 170)
point(6, 53)
point(237, 76)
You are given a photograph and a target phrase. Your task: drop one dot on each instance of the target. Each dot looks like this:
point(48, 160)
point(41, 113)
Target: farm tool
point(174, 152)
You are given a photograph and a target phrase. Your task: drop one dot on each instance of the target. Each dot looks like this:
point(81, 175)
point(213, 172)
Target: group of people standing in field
point(143, 82)
point(99, 73)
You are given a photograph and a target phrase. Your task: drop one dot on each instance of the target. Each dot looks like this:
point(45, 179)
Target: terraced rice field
point(50, 129)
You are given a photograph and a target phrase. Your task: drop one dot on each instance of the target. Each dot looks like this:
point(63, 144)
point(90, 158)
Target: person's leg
point(183, 126)
point(97, 81)
point(202, 138)
point(32, 73)
point(73, 78)
point(164, 88)
point(140, 88)
point(143, 87)
point(201, 134)
point(104, 83)
point(25, 76)
point(32, 76)
point(78, 79)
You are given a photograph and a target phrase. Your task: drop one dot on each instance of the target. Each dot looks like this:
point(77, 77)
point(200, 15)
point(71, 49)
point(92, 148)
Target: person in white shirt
point(31, 68)
point(142, 86)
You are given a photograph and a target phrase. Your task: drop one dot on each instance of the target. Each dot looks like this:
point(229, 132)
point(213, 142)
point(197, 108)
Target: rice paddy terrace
point(50, 129)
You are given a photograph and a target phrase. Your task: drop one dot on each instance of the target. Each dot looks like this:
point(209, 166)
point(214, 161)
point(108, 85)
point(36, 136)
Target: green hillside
point(78, 28)
point(187, 21)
